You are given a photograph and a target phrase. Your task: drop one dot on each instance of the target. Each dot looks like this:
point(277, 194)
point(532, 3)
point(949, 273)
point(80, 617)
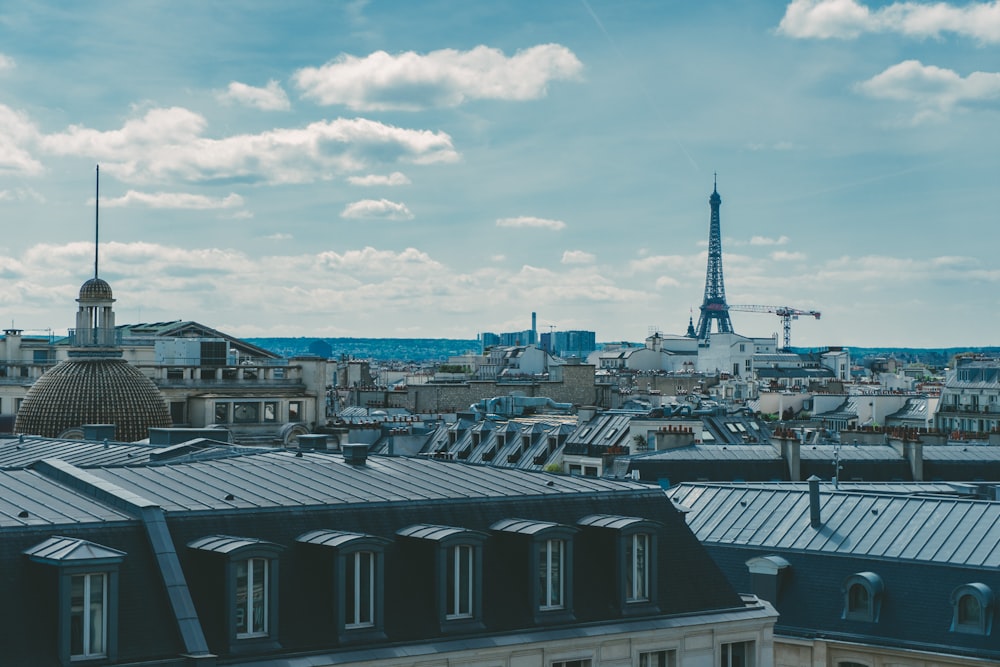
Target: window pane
point(366, 587)
point(76, 615)
point(246, 412)
point(459, 581)
point(857, 599)
point(637, 568)
point(969, 610)
point(658, 659)
point(550, 566)
point(241, 597)
point(259, 576)
point(465, 580)
point(351, 589)
point(96, 614)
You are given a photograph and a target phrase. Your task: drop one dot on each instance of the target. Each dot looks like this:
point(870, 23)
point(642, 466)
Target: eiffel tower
point(714, 306)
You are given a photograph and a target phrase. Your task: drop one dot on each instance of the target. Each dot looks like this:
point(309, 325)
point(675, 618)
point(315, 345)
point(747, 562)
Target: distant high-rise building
point(569, 343)
point(714, 307)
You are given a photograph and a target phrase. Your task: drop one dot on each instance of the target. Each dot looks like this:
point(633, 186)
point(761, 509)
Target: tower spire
point(714, 307)
point(97, 199)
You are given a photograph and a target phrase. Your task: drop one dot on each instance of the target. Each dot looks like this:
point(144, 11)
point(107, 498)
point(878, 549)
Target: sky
point(442, 168)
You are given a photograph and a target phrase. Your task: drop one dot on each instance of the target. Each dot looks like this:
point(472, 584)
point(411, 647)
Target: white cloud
point(178, 200)
point(848, 19)
point(577, 257)
point(279, 236)
point(6, 62)
point(529, 221)
point(498, 258)
point(270, 98)
point(763, 240)
point(381, 209)
point(445, 78)
point(935, 91)
point(784, 256)
point(22, 194)
point(168, 145)
point(395, 178)
point(16, 133)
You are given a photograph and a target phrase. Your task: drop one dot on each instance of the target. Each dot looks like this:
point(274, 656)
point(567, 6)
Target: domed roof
point(95, 289)
point(97, 390)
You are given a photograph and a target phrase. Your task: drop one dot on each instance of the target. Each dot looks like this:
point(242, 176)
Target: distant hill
point(439, 349)
point(403, 349)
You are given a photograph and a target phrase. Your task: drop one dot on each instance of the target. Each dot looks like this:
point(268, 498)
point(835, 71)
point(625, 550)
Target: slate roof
point(936, 529)
point(21, 452)
point(286, 479)
point(30, 499)
point(713, 453)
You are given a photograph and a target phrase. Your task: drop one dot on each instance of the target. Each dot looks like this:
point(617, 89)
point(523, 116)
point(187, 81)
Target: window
point(572, 663)
point(633, 541)
point(222, 413)
point(863, 597)
point(270, 411)
point(246, 412)
point(87, 606)
point(359, 589)
point(294, 411)
point(358, 564)
point(738, 654)
point(88, 615)
point(550, 575)
point(972, 606)
point(249, 586)
point(459, 580)
point(658, 659)
point(637, 568)
point(541, 556)
point(251, 598)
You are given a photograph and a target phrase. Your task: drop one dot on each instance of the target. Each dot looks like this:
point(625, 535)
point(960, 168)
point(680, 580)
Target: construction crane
point(786, 313)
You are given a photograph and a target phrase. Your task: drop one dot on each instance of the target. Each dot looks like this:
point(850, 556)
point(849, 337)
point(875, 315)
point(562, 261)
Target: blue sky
point(436, 169)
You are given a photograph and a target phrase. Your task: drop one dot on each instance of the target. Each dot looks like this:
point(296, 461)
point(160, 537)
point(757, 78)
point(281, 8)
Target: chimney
point(355, 454)
point(814, 518)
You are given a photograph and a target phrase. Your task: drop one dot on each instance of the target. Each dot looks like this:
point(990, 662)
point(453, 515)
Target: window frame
point(251, 568)
point(642, 657)
point(873, 587)
point(726, 652)
point(982, 596)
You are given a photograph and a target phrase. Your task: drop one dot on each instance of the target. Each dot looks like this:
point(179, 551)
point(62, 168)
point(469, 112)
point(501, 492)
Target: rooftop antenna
point(97, 227)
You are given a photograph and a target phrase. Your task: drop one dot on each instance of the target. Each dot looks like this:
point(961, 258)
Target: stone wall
point(576, 387)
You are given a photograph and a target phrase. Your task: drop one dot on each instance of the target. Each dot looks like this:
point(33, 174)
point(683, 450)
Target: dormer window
point(248, 569)
point(635, 549)
point(87, 596)
point(358, 564)
point(863, 597)
point(540, 554)
point(458, 573)
point(972, 606)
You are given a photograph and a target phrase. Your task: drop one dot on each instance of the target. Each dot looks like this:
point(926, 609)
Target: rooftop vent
point(312, 441)
point(356, 454)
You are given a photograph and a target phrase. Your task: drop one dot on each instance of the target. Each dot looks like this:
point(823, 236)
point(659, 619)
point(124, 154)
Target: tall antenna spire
point(97, 224)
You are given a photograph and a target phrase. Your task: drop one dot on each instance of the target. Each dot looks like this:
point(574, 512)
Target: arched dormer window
point(863, 597)
point(972, 609)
